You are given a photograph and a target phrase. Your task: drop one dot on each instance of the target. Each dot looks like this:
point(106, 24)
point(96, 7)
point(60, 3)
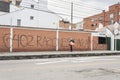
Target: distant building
point(15, 2)
point(64, 24)
point(4, 6)
point(79, 26)
point(106, 18)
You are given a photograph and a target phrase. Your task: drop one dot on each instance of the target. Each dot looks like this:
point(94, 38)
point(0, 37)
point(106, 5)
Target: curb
point(21, 57)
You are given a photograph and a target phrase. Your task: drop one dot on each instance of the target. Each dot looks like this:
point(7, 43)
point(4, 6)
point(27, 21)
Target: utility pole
point(71, 16)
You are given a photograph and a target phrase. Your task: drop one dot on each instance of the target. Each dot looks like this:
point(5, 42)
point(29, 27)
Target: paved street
point(81, 68)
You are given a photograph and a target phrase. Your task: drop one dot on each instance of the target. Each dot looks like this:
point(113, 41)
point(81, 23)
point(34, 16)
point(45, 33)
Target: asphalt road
point(80, 68)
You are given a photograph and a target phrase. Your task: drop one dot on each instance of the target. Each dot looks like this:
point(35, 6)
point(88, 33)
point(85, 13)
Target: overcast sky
point(81, 8)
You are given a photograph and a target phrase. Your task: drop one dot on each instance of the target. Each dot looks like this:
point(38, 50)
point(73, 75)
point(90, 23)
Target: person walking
point(71, 44)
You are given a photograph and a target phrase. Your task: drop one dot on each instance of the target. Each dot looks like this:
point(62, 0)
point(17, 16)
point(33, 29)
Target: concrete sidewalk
point(53, 54)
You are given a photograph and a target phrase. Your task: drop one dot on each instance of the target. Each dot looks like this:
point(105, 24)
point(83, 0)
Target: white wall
point(110, 34)
point(27, 3)
point(41, 5)
point(1, 13)
point(118, 36)
point(98, 34)
point(79, 25)
point(41, 19)
point(5, 19)
point(14, 8)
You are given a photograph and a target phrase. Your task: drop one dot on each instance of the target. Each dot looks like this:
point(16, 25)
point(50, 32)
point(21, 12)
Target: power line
point(51, 12)
point(23, 7)
point(89, 7)
point(75, 11)
point(62, 9)
point(64, 5)
point(87, 11)
point(79, 5)
point(76, 6)
point(65, 14)
point(80, 17)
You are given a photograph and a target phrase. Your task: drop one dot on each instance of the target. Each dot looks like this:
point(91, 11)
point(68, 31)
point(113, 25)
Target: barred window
point(111, 16)
point(101, 40)
point(32, 6)
point(18, 22)
point(31, 17)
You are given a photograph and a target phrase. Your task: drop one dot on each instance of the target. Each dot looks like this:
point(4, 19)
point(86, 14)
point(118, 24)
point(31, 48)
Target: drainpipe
point(103, 17)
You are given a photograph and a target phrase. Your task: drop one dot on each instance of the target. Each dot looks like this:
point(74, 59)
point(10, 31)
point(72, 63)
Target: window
point(93, 19)
point(111, 22)
point(17, 2)
point(32, 6)
point(94, 25)
point(111, 16)
point(101, 18)
point(31, 17)
point(101, 40)
point(18, 22)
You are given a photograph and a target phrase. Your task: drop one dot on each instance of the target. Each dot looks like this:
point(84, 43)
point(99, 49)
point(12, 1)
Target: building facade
point(30, 13)
point(67, 25)
point(106, 18)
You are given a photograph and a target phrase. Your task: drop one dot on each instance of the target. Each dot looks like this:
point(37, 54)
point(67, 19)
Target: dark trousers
point(71, 48)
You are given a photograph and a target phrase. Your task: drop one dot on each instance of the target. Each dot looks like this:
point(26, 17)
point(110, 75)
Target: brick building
point(106, 18)
point(15, 2)
point(4, 6)
point(66, 25)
